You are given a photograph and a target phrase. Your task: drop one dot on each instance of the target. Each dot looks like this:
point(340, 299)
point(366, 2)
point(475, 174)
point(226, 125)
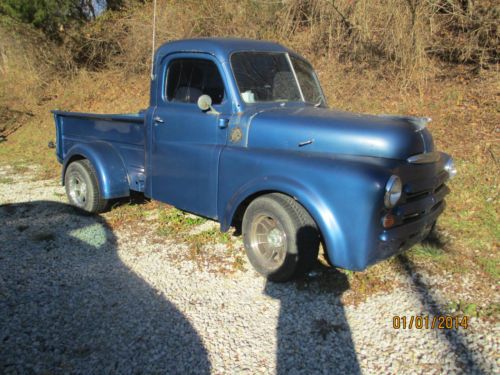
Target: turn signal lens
point(388, 221)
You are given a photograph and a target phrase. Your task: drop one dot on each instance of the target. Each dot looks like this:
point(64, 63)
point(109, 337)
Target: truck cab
point(239, 131)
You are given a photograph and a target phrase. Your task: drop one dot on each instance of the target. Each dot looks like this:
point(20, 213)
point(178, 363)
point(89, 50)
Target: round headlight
point(393, 190)
point(450, 168)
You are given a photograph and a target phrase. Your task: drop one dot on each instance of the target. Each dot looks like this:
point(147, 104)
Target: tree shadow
point(313, 335)
point(68, 304)
point(455, 340)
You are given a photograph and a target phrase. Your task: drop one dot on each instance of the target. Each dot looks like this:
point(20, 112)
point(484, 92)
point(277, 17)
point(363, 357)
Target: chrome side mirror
point(205, 104)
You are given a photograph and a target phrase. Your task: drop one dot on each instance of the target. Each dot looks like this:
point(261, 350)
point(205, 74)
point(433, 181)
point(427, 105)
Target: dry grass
point(402, 38)
point(432, 58)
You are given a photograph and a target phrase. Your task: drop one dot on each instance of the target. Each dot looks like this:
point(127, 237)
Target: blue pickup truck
point(239, 131)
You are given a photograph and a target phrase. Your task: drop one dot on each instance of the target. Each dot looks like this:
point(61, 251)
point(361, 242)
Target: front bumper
point(394, 241)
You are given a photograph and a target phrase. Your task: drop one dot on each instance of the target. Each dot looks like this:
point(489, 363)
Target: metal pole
point(154, 38)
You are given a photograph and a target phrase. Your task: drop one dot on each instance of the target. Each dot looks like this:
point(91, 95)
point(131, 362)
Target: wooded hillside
point(436, 58)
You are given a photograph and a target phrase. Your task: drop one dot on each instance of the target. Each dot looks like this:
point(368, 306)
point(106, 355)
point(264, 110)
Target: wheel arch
point(317, 207)
point(237, 217)
point(110, 170)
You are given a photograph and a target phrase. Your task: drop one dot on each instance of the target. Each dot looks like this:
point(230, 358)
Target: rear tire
point(281, 239)
point(82, 187)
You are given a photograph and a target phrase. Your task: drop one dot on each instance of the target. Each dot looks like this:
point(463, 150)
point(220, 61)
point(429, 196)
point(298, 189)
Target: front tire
point(82, 187)
point(281, 239)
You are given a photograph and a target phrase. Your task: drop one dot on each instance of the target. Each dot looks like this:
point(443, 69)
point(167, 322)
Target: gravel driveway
point(77, 297)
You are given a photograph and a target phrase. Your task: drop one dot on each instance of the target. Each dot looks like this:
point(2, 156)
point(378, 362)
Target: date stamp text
point(433, 322)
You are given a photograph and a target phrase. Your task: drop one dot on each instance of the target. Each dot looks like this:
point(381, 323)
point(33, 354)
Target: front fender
point(344, 195)
point(109, 167)
point(317, 207)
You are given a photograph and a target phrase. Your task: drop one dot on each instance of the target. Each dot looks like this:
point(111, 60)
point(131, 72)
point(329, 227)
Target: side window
point(188, 79)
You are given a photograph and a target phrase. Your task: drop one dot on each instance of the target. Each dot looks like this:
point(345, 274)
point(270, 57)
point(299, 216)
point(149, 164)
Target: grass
point(427, 252)
point(472, 309)
point(211, 236)
point(181, 226)
point(199, 241)
point(491, 266)
point(173, 222)
point(28, 146)
point(129, 211)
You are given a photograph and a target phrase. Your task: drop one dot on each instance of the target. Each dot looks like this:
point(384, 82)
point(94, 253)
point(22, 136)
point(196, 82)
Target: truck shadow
point(312, 339)
point(435, 239)
point(134, 199)
point(464, 357)
point(69, 304)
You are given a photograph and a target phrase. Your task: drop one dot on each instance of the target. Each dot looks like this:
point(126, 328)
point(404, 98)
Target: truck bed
point(123, 132)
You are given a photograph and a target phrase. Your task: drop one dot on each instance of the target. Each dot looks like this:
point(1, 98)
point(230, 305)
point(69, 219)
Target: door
point(187, 142)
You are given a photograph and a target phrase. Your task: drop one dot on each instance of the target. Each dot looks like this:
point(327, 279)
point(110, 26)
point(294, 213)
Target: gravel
point(77, 297)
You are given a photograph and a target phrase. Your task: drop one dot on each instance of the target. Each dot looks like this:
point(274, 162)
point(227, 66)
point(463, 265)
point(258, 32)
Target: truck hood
point(321, 130)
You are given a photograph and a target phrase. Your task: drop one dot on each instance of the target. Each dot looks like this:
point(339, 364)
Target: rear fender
point(111, 173)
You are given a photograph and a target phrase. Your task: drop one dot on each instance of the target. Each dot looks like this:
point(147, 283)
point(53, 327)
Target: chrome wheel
point(82, 187)
point(268, 241)
point(281, 239)
point(77, 190)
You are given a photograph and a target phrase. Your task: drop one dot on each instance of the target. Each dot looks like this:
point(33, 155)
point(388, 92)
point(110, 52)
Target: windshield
point(275, 77)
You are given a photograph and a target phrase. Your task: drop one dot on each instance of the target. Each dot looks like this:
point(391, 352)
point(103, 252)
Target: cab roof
point(219, 47)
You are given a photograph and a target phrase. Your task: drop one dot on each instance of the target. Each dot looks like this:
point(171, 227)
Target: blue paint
point(335, 164)
point(113, 143)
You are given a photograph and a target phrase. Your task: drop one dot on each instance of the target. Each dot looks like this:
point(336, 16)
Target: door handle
point(158, 120)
